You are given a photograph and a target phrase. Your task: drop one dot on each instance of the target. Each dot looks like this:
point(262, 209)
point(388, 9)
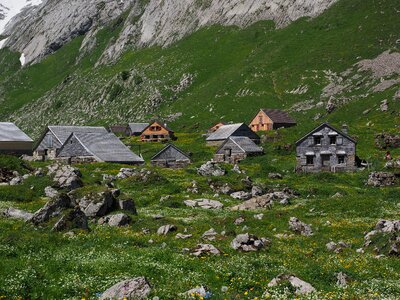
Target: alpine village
point(222, 149)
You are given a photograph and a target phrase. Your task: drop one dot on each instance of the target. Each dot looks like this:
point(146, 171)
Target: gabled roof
point(106, 147)
point(9, 132)
point(138, 127)
point(62, 133)
point(225, 131)
point(244, 143)
point(166, 148)
point(162, 124)
point(329, 126)
point(278, 116)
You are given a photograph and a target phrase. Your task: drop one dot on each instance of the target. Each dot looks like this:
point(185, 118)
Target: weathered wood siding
point(261, 122)
point(151, 135)
point(16, 148)
point(170, 157)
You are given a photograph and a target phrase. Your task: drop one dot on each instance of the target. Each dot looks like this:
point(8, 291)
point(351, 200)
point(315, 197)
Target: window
point(49, 141)
point(341, 159)
point(332, 140)
point(260, 119)
point(310, 160)
point(317, 140)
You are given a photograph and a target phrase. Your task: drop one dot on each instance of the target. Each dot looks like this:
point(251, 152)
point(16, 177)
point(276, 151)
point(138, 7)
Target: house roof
point(279, 116)
point(162, 124)
point(9, 132)
point(106, 147)
point(62, 133)
point(138, 127)
point(224, 132)
point(244, 143)
point(168, 147)
point(329, 126)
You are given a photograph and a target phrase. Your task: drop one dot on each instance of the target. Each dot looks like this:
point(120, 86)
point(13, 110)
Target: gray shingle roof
point(9, 132)
point(107, 147)
point(279, 116)
point(170, 152)
point(224, 132)
point(330, 127)
point(62, 133)
point(138, 127)
point(246, 144)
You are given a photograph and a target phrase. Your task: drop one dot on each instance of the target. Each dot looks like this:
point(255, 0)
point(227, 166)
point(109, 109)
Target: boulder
point(116, 220)
point(127, 205)
point(135, 288)
point(299, 227)
point(256, 191)
point(393, 164)
point(16, 180)
point(275, 176)
point(193, 188)
point(337, 247)
point(211, 169)
point(50, 192)
point(385, 238)
point(204, 249)
point(197, 292)
point(209, 235)
point(248, 242)
point(15, 213)
point(74, 219)
point(66, 176)
point(97, 204)
point(241, 195)
point(224, 189)
point(301, 287)
point(380, 179)
point(183, 236)
point(204, 203)
point(5, 175)
point(342, 279)
point(239, 221)
point(254, 203)
point(164, 230)
point(384, 106)
point(51, 209)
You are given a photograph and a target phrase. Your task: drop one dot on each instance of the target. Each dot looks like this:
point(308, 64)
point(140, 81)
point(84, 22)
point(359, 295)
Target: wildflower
point(246, 293)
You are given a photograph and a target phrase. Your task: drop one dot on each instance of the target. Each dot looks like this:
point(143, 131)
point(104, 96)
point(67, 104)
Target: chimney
point(345, 128)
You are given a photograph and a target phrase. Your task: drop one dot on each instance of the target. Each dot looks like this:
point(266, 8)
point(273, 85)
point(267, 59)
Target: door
point(326, 161)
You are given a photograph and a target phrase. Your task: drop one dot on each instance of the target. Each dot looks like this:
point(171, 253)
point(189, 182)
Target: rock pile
point(385, 238)
point(301, 287)
point(380, 179)
point(249, 242)
point(211, 169)
point(299, 227)
point(204, 249)
point(337, 247)
point(141, 174)
point(135, 288)
point(116, 220)
point(204, 203)
point(65, 176)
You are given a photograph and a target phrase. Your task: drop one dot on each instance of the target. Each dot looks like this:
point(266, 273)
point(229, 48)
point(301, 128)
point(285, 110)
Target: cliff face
point(43, 29)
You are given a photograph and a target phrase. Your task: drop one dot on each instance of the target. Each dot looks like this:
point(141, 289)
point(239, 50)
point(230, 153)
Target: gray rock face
point(342, 279)
point(385, 238)
point(248, 242)
point(299, 227)
point(209, 235)
point(127, 205)
point(275, 176)
point(211, 169)
point(267, 200)
point(75, 219)
point(204, 203)
point(204, 249)
point(51, 209)
point(301, 287)
point(50, 192)
point(380, 179)
point(135, 288)
point(66, 176)
point(164, 230)
point(116, 220)
point(97, 205)
point(337, 247)
point(15, 213)
point(241, 195)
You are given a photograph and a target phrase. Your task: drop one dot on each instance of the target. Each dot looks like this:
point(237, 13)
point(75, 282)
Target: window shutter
point(339, 140)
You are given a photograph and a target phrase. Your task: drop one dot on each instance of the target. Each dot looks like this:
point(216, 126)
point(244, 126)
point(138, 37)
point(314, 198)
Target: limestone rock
point(239, 221)
point(342, 279)
point(116, 220)
point(209, 235)
point(337, 247)
point(127, 205)
point(380, 179)
point(66, 177)
point(164, 230)
point(299, 227)
point(241, 195)
point(97, 204)
point(385, 238)
point(75, 219)
point(256, 191)
point(301, 287)
point(51, 209)
point(275, 176)
point(204, 203)
point(135, 288)
point(205, 249)
point(15, 213)
point(211, 169)
point(183, 236)
point(50, 192)
point(248, 242)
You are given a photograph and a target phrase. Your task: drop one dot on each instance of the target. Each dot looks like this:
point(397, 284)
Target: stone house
point(97, 147)
point(237, 148)
point(226, 131)
point(136, 129)
point(54, 137)
point(157, 132)
point(14, 141)
point(326, 149)
point(270, 119)
point(119, 130)
point(171, 157)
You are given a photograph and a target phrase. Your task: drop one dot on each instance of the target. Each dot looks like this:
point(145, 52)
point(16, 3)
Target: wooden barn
point(157, 132)
point(326, 149)
point(226, 131)
point(97, 147)
point(14, 141)
point(136, 129)
point(171, 157)
point(270, 119)
point(237, 148)
point(54, 137)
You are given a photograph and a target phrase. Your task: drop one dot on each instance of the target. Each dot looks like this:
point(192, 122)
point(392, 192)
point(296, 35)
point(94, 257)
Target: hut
point(171, 157)
point(237, 148)
point(326, 149)
point(13, 140)
point(54, 137)
point(120, 130)
point(136, 129)
point(97, 147)
point(157, 132)
point(270, 119)
point(226, 131)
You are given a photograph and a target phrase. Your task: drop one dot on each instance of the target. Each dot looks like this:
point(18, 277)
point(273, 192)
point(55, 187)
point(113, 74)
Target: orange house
point(270, 119)
point(157, 132)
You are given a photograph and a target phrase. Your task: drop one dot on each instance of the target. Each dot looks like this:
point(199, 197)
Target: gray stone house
point(224, 132)
point(97, 147)
point(326, 149)
point(237, 148)
point(171, 157)
point(14, 141)
point(54, 137)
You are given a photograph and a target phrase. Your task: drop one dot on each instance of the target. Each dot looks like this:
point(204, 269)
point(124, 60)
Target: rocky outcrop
point(301, 287)
point(97, 204)
point(135, 288)
point(204, 249)
point(65, 176)
point(74, 219)
point(299, 227)
point(249, 242)
point(385, 238)
point(204, 203)
point(380, 179)
point(211, 169)
point(116, 220)
point(15, 213)
point(51, 209)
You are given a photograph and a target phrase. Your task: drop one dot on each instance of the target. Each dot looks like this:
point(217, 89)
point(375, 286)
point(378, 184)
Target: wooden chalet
point(14, 141)
point(270, 119)
point(326, 149)
point(237, 148)
point(157, 132)
point(171, 157)
point(226, 131)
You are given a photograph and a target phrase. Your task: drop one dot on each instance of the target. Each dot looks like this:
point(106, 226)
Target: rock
point(275, 176)
point(204, 249)
point(259, 216)
point(342, 279)
point(337, 195)
point(299, 227)
point(387, 140)
point(384, 106)
point(224, 189)
point(301, 287)
point(211, 169)
point(393, 164)
point(135, 288)
point(127, 205)
point(158, 217)
point(239, 221)
point(97, 204)
point(330, 106)
point(385, 238)
point(66, 177)
point(116, 220)
point(241, 195)
point(193, 188)
point(50, 192)
point(209, 235)
point(248, 242)
point(164, 230)
point(51, 209)
point(337, 247)
point(183, 236)
point(75, 219)
point(380, 179)
point(15, 213)
point(5, 175)
point(38, 172)
point(197, 292)
point(204, 203)
point(256, 191)
point(236, 169)
point(16, 180)
point(260, 202)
